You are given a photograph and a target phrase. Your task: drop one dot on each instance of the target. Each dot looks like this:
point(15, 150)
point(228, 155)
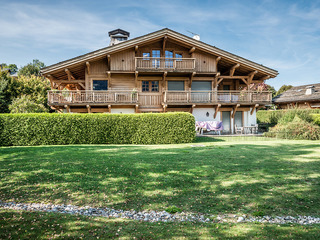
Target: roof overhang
point(101, 53)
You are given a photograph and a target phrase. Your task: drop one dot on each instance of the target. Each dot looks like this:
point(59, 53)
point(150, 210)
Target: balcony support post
point(235, 110)
point(253, 108)
point(164, 80)
point(191, 78)
point(109, 108)
point(89, 108)
point(136, 74)
point(216, 110)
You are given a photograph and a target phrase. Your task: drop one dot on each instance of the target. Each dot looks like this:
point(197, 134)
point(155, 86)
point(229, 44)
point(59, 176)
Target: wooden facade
point(159, 72)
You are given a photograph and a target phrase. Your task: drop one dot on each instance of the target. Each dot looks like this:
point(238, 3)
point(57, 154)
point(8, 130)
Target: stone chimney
point(118, 36)
point(309, 90)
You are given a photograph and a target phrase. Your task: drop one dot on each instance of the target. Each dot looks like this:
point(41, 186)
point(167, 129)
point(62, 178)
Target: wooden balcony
point(92, 97)
point(165, 64)
point(214, 97)
point(156, 99)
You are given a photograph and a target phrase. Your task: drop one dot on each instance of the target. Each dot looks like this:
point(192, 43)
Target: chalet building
point(306, 96)
point(163, 71)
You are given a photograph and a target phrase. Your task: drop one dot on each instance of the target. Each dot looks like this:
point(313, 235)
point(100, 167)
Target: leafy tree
point(4, 96)
point(25, 104)
point(32, 68)
point(283, 88)
point(12, 67)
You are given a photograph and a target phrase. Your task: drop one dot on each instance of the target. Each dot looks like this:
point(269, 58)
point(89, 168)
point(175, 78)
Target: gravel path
point(154, 216)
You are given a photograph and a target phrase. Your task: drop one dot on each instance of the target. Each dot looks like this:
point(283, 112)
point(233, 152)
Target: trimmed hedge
point(273, 117)
point(61, 129)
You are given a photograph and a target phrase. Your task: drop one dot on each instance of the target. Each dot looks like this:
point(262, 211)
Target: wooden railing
point(174, 64)
point(217, 97)
point(156, 99)
point(64, 97)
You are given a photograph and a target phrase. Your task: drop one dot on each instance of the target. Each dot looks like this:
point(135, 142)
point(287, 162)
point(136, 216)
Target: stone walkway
point(154, 216)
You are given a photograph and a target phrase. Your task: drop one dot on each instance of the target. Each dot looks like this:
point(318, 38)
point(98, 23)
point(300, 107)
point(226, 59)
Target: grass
point(255, 176)
point(30, 225)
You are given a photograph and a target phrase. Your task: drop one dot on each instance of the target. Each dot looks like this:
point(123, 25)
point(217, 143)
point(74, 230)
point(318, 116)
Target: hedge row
point(273, 117)
point(60, 129)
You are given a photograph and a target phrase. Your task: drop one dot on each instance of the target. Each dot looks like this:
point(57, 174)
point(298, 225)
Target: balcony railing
point(65, 97)
point(217, 97)
point(160, 64)
point(156, 99)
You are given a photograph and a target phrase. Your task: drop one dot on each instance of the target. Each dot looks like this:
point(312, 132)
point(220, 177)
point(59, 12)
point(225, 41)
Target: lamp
point(207, 114)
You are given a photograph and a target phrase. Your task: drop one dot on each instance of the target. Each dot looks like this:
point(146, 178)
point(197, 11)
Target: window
point(178, 56)
point(156, 60)
point(169, 60)
point(146, 86)
point(146, 56)
point(176, 85)
point(100, 84)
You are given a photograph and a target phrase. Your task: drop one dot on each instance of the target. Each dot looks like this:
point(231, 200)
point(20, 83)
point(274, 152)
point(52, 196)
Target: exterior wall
point(200, 114)
point(251, 119)
point(205, 62)
point(122, 110)
point(123, 61)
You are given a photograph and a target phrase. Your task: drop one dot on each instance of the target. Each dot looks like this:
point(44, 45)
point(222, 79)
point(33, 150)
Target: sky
point(280, 34)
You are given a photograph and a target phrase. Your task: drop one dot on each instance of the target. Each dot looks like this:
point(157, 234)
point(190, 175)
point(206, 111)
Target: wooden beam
point(235, 110)
point(109, 61)
point(308, 104)
point(136, 48)
point(218, 59)
point(164, 44)
point(84, 88)
point(51, 78)
point(109, 80)
point(232, 70)
point(192, 50)
point(164, 79)
point(252, 110)
point(89, 108)
point(165, 107)
point(193, 106)
point(250, 76)
point(264, 78)
point(216, 110)
point(245, 81)
point(109, 108)
point(219, 81)
point(68, 108)
point(70, 76)
point(71, 81)
point(136, 74)
point(233, 77)
point(137, 108)
point(191, 78)
point(88, 67)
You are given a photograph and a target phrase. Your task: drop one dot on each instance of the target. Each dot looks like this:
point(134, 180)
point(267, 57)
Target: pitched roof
point(158, 35)
point(298, 94)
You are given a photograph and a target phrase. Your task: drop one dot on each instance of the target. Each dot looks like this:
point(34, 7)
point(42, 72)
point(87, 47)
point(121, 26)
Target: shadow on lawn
point(30, 225)
point(213, 179)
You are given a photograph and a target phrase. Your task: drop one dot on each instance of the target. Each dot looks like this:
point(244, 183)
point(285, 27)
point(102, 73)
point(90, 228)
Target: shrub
point(59, 129)
point(296, 129)
point(24, 104)
point(316, 118)
point(273, 117)
point(173, 209)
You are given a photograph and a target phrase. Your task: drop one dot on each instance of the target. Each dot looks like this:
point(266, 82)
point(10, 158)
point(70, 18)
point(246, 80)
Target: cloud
point(61, 26)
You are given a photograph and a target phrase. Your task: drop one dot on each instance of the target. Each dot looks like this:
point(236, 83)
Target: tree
point(283, 88)
point(32, 68)
point(4, 95)
point(12, 67)
point(25, 104)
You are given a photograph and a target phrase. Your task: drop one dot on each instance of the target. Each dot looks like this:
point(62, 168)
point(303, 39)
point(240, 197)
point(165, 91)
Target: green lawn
point(221, 175)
